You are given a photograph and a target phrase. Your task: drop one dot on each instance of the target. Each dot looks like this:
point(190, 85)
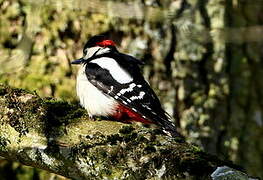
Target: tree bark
point(58, 137)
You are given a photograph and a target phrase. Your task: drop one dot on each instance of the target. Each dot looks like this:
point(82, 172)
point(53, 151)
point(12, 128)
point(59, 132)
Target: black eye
point(85, 51)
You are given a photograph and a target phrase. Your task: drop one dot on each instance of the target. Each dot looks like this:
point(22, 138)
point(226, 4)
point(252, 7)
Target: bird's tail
point(168, 127)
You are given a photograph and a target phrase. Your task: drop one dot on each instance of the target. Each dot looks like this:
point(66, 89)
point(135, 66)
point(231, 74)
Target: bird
point(110, 84)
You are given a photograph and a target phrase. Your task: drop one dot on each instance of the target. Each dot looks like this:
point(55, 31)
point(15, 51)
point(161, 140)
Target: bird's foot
point(92, 118)
point(98, 118)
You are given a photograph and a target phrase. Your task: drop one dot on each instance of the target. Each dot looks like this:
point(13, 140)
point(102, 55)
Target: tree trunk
point(209, 76)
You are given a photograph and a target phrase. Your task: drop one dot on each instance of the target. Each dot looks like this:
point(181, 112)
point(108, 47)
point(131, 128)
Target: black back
point(149, 106)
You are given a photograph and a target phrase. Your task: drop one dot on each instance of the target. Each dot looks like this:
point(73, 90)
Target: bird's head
point(96, 45)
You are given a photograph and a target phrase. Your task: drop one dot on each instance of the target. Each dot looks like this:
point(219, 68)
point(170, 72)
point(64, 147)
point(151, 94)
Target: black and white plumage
point(109, 83)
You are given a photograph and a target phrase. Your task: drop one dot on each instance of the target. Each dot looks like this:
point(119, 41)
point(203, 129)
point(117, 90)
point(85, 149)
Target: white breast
point(93, 100)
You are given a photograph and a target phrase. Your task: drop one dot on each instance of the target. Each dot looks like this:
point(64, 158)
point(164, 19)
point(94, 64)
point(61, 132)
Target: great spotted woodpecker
point(110, 84)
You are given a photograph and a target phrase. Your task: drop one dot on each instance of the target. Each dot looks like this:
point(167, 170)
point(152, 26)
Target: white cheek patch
point(97, 49)
point(119, 74)
point(91, 52)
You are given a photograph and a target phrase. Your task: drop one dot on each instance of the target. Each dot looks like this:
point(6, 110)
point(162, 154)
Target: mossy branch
point(59, 137)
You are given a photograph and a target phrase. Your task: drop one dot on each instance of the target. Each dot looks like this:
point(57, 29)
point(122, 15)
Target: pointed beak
point(77, 61)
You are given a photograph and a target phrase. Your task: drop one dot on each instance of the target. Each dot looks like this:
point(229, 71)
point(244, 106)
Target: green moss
point(3, 143)
point(113, 139)
point(20, 106)
point(3, 90)
point(126, 129)
point(111, 148)
point(61, 112)
point(24, 106)
point(130, 148)
point(196, 149)
point(150, 149)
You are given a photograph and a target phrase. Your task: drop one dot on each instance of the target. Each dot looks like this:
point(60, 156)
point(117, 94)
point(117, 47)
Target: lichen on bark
point(59, 137)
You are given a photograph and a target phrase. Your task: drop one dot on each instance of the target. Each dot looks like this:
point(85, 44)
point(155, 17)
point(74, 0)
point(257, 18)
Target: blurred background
point(203, 58)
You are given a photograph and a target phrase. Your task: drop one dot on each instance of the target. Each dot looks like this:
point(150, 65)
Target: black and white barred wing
point(133, 93)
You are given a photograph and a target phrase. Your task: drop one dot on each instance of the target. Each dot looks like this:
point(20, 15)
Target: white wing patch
point(138, 97)
point(123, 91)
point(110, 90)
point(119, 74)
point(129, 89)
